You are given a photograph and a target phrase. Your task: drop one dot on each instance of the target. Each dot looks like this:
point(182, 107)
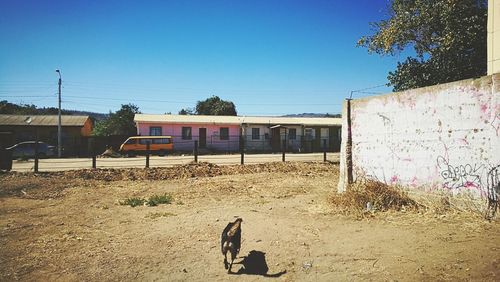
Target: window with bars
point(224, 133)
point(292, 133)
point(309, 134)
point(255, 133)
point(155, 131)
point(186, 133)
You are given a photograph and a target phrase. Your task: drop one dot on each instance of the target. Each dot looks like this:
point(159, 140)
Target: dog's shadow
point(255, 264)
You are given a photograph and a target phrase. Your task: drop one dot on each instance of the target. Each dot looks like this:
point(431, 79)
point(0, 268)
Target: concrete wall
point(493, 36)
point(444, 136)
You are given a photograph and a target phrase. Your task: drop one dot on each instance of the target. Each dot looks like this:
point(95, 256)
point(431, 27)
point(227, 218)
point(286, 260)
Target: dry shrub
point(373, 196)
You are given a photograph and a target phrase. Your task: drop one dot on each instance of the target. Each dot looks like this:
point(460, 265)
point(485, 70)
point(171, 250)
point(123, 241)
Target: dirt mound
point(51, 184)
point(194, 170)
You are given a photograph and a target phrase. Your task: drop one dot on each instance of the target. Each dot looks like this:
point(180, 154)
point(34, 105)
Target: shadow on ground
point(255, 264)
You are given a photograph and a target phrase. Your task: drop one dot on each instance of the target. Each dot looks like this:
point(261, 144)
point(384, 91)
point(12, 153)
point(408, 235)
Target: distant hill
point(314, 115)
point(96, 116)
point(25, 109)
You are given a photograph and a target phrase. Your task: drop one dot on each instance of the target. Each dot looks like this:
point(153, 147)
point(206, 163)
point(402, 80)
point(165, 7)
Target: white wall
point(444, 136)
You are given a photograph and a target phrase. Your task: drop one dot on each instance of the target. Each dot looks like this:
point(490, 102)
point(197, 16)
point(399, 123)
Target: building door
point(202, 137)
point(276, 139)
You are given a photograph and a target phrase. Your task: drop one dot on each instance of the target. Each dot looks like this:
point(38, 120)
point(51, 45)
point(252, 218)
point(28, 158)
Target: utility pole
point(59, 139)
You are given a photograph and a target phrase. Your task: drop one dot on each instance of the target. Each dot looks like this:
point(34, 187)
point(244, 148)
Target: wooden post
point(196, 151)
point(324, 150)
point(242, 150)
point(148, 144)
point(92, 153)
point(283, 149)
point(348, 148)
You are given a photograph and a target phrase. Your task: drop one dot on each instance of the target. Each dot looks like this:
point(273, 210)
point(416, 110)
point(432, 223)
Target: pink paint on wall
point(394, 179)
point(484, 108)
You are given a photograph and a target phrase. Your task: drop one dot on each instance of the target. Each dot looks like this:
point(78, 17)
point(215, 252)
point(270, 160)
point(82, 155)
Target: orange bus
point(160, 145)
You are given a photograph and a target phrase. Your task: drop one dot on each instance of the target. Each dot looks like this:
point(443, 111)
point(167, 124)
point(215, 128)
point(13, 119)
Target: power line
point(192, 101)
point(28, 96)
point(363, 90)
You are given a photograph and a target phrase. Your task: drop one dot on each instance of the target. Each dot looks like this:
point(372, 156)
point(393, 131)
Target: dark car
point(27, 150)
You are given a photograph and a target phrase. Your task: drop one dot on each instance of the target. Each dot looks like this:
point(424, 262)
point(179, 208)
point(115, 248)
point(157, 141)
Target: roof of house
point(237, 120)
point(42, 120)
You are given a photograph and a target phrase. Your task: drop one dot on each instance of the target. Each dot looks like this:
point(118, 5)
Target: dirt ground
point(71, 226)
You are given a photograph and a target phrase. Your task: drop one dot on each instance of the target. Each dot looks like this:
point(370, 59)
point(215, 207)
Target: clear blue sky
point(268, 57)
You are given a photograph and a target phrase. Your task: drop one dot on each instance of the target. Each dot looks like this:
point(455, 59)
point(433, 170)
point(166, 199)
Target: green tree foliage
point(7, 108)
point(448, 38)
point(119, 123)
point(187, 111)
point(214, 106)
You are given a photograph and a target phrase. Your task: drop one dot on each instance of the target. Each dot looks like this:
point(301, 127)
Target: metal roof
point(237, 120)
point(42, 120)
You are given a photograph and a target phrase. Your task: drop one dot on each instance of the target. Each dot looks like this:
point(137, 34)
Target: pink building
point(217, 133)
point(222, 133)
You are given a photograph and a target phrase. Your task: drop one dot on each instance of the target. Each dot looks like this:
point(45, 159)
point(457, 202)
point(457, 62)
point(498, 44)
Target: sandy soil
point(62, 228)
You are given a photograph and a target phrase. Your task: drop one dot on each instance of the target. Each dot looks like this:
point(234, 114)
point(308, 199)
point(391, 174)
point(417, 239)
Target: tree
point(448, 38)
point(214, 106)
point(186, 111)
point(119, 123)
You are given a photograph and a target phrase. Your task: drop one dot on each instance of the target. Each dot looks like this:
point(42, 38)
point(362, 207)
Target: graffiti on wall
point(493, 192)
point(461, 176)
point(468, 176)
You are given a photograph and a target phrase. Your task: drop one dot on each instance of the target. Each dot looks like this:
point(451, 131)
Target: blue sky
point(268, 57)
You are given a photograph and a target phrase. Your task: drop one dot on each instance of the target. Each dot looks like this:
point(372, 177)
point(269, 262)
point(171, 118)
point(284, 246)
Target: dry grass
point(371, 196)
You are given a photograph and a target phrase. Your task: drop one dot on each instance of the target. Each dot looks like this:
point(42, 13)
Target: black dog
point(231, 241)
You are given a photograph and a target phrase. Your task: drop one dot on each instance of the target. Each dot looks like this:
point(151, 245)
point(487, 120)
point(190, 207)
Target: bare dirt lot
point(71, 226)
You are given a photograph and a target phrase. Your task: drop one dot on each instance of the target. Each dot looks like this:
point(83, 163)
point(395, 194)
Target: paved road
point(168, 161)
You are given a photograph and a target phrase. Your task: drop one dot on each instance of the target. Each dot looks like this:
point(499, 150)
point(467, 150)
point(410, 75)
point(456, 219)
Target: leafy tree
point(119, 123)
point(447, 36)
point(214, 106)
point(187, 111)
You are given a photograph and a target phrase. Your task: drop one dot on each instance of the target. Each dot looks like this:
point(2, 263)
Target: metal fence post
point(36, 152)
point(148, 144)
point(283, 149)
point(324, 150)
point(196, 151)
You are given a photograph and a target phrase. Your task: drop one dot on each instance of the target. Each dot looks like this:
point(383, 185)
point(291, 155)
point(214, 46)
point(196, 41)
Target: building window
point(255, 133)
point(292, 133)
point(155, 131)
point(309, 134)
point(224, 133)
point(186, 133)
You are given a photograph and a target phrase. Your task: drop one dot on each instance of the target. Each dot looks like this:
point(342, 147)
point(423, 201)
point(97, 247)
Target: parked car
point(27, 150)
